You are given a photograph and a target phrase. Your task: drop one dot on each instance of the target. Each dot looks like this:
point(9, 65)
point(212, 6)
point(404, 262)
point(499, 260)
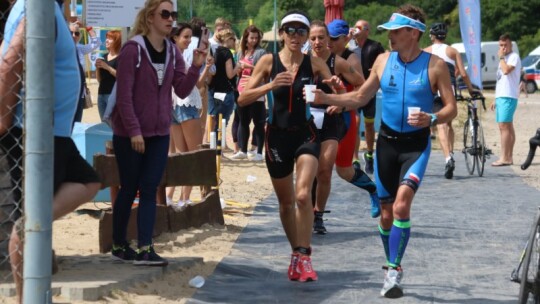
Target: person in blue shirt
point(408, 77)
point(75, 181)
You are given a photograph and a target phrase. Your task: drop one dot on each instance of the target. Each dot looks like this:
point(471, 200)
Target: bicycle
point(474, 144)
point(529, 278)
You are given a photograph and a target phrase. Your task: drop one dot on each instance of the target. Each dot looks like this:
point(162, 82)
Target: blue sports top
point(288, 108)
point(405, 85)
point(67, 80)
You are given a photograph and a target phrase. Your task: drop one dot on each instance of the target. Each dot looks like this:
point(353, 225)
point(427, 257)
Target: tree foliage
point(498, 16)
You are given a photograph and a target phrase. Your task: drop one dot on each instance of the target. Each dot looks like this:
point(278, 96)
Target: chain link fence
point(10, 153)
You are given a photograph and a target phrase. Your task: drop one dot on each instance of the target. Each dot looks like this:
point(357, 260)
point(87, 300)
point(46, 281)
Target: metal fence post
point(38, 151)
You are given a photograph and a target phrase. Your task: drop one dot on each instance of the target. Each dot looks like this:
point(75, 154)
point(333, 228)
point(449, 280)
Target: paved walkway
point(466, 237)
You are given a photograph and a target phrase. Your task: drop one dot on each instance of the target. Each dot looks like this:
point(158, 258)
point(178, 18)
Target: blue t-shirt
point(67, 81)
point(405, 85)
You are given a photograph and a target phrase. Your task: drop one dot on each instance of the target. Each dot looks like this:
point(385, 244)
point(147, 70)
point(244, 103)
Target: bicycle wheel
point(480, 149)
point(529, 289)
point(468, 145)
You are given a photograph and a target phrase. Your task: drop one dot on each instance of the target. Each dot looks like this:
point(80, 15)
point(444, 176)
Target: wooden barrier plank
point(195, 168)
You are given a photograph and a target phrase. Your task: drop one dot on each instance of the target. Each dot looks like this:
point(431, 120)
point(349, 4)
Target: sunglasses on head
point(75, 33)
point(165, 14)
point(291, 30)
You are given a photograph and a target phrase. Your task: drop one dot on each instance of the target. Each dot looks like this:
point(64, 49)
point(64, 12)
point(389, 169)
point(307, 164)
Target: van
point(489, 60)
point(531, 70)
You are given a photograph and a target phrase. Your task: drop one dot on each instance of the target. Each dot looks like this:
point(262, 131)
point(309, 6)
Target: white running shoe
point(180, 206)
point(239, 155)
point(252, 153)
point(392, 283)
point(257, 158)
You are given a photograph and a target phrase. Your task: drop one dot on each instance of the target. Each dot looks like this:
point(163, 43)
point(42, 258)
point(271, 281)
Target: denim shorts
point(184, 113)
point(224, 107)
point(505, 107)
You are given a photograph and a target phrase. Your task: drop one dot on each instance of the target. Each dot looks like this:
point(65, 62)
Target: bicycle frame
point(529, 276)
point(474, 150)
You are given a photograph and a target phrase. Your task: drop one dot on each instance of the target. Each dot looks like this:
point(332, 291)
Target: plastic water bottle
point(212, 140)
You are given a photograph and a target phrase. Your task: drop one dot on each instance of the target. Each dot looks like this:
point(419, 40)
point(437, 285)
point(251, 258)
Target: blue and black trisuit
point(402, 150)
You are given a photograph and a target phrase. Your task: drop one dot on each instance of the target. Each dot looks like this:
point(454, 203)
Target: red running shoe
point(293, 273)
point(305, 269)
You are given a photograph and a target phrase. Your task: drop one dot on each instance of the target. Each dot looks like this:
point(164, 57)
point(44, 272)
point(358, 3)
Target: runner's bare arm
point(361, 97)
point(454, 54)
point(348, 72)
point(260, 75)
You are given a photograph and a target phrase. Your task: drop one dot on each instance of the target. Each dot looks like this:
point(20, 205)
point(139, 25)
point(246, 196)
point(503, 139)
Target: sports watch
point(433, 119)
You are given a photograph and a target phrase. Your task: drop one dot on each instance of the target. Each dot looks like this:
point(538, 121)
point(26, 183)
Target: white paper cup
point(413, 110)
point(309, 88)
point(196, 282)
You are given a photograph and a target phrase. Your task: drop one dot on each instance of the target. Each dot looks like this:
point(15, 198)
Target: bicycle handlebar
point(478, 96)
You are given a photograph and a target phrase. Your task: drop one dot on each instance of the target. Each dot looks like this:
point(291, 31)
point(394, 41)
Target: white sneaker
point(190, 202)
point(392, 283)
point(257, 157)
point(170, 201)
point(180, 206)
point(252, 153)
point(239, 155)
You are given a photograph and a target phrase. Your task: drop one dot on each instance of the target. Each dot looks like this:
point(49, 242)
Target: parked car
point(531, 70)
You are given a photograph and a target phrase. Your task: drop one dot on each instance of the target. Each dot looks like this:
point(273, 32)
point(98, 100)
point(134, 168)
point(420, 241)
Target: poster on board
point(111, 13)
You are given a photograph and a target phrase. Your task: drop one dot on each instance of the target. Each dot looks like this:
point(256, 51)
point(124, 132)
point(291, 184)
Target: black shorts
point(401, 159)
point(369, 110)
point(284, 146)
point(69, 165)
point(333, 127)
point(437, 104)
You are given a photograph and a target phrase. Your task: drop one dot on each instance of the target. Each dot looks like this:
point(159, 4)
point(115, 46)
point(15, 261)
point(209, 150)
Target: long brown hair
point(245, 35)
point(141, 26)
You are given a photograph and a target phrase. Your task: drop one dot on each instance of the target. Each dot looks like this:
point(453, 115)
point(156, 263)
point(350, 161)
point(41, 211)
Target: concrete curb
point(89, 278)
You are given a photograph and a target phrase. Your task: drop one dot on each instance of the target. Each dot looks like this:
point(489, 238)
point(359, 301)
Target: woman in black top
point(291, 137)
point(328, 119)
point(221, 88)
point(106, 69)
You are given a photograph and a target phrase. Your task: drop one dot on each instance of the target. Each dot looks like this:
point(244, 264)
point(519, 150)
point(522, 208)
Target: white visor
point(295, 18)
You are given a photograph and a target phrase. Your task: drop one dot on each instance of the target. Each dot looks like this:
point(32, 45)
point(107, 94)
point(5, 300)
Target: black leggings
point(236, 125)
point(256, 112)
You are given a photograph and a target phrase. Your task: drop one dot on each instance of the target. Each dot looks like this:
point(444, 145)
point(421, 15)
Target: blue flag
point(469, 23)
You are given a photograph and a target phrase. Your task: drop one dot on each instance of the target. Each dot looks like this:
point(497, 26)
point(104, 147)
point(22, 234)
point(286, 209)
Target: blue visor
point(398, 21)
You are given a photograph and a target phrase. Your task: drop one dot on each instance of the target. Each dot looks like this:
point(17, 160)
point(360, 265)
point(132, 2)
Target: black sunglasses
point(290, 30)
point(165, 14)
point(76, 33)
